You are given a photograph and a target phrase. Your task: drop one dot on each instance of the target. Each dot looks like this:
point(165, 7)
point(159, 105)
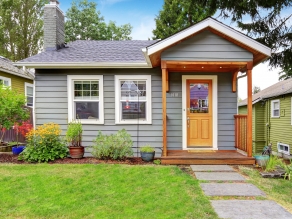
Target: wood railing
point(241, 132)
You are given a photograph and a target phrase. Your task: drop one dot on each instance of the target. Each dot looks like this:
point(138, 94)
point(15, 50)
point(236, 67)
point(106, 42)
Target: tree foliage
point(84, 22)
point(269, 22)
point(255, 89)
point(12, 109)
point(21, 28)
point(177, 15)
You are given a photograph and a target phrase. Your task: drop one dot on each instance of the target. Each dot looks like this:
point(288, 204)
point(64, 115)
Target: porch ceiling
point(187, 66)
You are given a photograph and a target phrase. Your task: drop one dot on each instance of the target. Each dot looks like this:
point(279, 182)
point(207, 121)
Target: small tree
point(12, 109)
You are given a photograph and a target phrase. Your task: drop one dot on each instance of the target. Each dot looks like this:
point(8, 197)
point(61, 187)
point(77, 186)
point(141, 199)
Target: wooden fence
point(10, 134)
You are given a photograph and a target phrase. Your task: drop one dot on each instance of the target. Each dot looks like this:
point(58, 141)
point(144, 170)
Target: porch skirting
point(201, 157)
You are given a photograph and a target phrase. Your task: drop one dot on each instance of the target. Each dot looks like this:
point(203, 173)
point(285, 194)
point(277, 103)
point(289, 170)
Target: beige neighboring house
point(18, 79)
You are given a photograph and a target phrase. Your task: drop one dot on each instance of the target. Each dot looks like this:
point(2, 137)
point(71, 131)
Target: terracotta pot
point(76, 152)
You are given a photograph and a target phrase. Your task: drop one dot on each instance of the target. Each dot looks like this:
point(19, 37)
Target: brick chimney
point(54, 26)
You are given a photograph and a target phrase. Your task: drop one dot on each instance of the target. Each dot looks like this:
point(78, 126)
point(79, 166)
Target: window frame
point(25, 91)
point(70, 90)
point(283, 151)
point(148, 100)
point(7, 79)
point(272, 108)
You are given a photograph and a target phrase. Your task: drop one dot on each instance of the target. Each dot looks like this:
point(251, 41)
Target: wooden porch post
point(164, 89)
point(249, 108)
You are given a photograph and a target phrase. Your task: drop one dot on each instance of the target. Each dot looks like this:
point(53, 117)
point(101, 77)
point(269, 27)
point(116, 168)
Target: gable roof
point(137, 53)
point(93, 53)
point(260, 51)
point(7, 66)
point(278, 89)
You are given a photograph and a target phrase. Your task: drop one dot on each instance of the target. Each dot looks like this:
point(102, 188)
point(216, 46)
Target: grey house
point(177, 94)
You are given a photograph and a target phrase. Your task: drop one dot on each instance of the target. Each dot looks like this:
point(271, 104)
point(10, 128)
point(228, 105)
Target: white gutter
point(146, 56)
point(68, 65)
point(17, 74)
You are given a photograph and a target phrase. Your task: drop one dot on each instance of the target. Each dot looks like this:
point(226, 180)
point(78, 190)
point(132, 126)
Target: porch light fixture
point(202, 66)
point(220, 67)
point(184, 66)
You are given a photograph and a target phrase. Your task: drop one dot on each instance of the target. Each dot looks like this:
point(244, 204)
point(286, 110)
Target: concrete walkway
point(223, 180)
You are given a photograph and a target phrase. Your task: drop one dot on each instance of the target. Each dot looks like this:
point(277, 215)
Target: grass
point(100, 191)
point(276, 189)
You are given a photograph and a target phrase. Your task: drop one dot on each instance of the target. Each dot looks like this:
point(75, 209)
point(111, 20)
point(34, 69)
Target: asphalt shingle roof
point(280, 88)
point(6, 65)
point(95, 51)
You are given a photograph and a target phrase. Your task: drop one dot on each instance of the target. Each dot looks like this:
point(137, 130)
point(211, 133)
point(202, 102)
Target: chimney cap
point(54, 2)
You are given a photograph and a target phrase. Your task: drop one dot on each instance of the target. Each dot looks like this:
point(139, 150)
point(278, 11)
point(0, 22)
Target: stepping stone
point(208, 168)
point(249, 209)
point(231, 189)
point(224, 176)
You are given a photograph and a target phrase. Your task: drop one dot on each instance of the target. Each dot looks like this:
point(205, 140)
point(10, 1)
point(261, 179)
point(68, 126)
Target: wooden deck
point(210, 157)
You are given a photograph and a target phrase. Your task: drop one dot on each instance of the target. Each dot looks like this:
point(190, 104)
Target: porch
point(207, 157)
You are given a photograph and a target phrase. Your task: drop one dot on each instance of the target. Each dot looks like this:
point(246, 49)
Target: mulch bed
point(10, 158)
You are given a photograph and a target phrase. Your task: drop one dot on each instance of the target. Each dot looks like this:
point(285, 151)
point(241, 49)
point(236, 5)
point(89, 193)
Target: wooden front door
point(199, 113)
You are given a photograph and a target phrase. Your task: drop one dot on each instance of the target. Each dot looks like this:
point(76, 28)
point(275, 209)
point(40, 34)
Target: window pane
point(199, 98)
point(29, 101)
point(86, 90)
point(133, 110)
point(86, 85)
point(276, 113)
point(133, 90)
point(78, 85)
point(87, 110)
point(276, 105)
point(29, 91)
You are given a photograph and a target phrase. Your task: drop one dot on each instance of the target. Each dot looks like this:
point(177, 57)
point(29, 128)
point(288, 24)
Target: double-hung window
point(5, 81)
point(85, 98)
point(133, 99)
point(275, 108)
point(29, 94)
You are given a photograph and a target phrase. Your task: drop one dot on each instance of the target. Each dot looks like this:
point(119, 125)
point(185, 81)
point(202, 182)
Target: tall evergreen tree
point(268, 21)
point(21, 28)
point(177, 15)
point(84, 22)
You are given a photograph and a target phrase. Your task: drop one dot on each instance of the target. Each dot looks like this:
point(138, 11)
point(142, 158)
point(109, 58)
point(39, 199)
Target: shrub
point(115, 146)
point(12, 108)
point(272, 163)
point(44, 144)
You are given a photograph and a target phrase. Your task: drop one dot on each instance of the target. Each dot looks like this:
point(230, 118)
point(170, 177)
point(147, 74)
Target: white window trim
point(29, 85)
point(6, 79)
point(282, 151)
point(272, 108)
point(147, 78)
point(70, 90)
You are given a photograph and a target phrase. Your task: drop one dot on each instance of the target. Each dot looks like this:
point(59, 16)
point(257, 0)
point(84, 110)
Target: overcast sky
point(141, 13)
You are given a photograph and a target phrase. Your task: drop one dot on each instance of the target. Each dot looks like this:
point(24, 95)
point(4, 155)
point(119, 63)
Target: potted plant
point(74, 138)
point(147, 153)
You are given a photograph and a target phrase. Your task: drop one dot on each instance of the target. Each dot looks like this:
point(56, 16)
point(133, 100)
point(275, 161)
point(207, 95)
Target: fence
point(10, 135)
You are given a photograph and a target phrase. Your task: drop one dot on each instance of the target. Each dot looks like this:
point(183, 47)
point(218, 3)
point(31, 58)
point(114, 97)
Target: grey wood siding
point(206, 46)
point(52, 106)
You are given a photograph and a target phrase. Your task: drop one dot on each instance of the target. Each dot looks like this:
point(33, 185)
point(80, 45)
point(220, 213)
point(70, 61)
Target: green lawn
point(277, 189)
point(100, 191)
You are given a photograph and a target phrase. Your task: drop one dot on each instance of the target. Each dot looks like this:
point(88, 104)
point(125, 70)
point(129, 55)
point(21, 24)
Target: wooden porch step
point(217, 157)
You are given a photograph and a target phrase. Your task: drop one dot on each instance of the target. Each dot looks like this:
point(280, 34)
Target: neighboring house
point(272, 121)
point(177, 94)
point(17, 79)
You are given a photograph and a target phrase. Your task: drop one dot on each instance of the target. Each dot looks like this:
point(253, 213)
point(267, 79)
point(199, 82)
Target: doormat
point(196, 151)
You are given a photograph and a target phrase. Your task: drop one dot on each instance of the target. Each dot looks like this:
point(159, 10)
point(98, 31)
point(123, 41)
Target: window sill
point(134, 122)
